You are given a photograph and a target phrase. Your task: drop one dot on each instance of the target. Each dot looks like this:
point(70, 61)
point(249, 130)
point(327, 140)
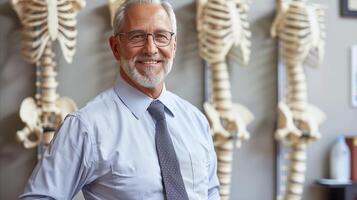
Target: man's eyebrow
point(141, 30)
point(136, 30)
point(161, 29)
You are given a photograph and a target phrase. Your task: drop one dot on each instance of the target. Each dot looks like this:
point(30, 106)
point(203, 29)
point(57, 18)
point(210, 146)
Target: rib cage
point(46, 20)
point(301, 34)
point(223, 25)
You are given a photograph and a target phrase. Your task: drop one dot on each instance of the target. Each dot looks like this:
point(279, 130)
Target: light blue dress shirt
point(107, 150)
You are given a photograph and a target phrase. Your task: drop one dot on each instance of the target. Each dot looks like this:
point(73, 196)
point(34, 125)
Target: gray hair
point(119, 14)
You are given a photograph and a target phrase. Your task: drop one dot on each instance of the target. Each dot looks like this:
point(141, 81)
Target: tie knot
point(156, 110)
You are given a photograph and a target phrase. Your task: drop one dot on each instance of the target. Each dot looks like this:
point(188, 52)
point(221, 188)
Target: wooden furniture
point(340, 191)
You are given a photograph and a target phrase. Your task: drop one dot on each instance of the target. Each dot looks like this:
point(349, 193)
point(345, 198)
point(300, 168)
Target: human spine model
point(45, 21)
point(299, 27)
point(223, 30)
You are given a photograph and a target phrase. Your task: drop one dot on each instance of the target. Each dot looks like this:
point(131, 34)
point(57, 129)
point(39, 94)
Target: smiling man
point(136, 140)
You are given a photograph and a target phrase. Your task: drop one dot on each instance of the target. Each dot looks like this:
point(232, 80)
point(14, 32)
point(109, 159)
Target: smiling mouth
point(149, 62)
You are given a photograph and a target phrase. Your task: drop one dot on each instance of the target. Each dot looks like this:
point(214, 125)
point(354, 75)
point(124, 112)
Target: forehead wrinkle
point(141, 16)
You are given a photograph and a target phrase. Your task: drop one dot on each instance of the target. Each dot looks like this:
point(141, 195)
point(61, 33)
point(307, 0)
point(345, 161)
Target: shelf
point(338, 190)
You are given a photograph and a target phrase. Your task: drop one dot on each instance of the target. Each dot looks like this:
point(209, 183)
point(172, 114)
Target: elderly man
point(136, 140)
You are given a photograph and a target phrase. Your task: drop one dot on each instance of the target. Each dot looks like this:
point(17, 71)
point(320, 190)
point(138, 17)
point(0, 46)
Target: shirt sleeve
point(64, 168)
point(213, 184)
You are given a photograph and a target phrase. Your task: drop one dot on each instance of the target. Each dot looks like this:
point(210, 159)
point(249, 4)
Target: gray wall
point(94, 69)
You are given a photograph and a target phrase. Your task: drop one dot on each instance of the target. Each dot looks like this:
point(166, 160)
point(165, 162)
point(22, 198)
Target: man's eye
point(161, 36)
point(137, 37)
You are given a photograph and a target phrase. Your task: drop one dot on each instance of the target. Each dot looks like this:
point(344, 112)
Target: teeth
point(150, 62)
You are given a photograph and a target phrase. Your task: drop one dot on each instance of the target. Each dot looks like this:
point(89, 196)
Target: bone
point(223, 31)
point(29, 112)
point(225, 158)
point(113, 6)
point(65, 105)
point(25, 134)
point(286, 126)
point(34, 14)
point(44, 22)
point(300, 30)
point(296, 174)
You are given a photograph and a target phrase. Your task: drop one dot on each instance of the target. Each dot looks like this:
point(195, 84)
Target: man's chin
point(149, 70)
point(149, 83)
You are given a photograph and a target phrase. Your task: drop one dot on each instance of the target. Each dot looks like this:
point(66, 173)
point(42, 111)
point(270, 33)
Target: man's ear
point(114, 45)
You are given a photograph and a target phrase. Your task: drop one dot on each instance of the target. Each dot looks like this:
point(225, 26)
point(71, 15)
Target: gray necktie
point(170, 168)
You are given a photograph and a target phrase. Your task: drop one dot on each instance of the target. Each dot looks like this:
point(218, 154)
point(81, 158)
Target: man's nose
point(150, 46)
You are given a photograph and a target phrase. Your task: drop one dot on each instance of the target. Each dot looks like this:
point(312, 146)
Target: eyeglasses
point(138, 38)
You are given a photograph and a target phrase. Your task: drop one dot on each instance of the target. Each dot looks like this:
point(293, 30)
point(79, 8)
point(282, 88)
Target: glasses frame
point(146, 38)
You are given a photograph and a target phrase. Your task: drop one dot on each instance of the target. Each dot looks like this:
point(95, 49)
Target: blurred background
point(94, 69)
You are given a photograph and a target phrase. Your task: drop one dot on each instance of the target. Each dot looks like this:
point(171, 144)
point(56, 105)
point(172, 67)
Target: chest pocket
point(123, 169)
point(125, 181)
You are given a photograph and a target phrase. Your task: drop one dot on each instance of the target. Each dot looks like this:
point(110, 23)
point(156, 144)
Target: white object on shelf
point(340, 161)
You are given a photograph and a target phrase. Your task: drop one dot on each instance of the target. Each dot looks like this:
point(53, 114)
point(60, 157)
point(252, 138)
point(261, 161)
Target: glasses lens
point(162, 38)
point(138, 38)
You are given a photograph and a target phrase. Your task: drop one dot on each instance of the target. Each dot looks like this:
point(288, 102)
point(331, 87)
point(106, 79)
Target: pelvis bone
point(230, 125)
point(33, 133)
point(288, 131)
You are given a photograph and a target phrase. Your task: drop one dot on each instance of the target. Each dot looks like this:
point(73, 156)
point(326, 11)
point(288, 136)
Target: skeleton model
point(221, 25)
point(299, 26)
point(45, 21)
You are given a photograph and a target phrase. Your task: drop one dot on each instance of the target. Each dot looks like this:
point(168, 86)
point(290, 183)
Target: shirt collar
point(137, 102)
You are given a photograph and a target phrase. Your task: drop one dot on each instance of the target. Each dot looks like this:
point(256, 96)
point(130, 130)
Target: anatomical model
point(299, 27)
point(223, 31)
point(45, 21)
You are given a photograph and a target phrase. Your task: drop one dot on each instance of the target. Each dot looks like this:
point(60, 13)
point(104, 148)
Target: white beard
point(148, 79)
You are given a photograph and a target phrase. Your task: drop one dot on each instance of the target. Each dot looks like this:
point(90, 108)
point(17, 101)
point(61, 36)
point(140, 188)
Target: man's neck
point(151, 92)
